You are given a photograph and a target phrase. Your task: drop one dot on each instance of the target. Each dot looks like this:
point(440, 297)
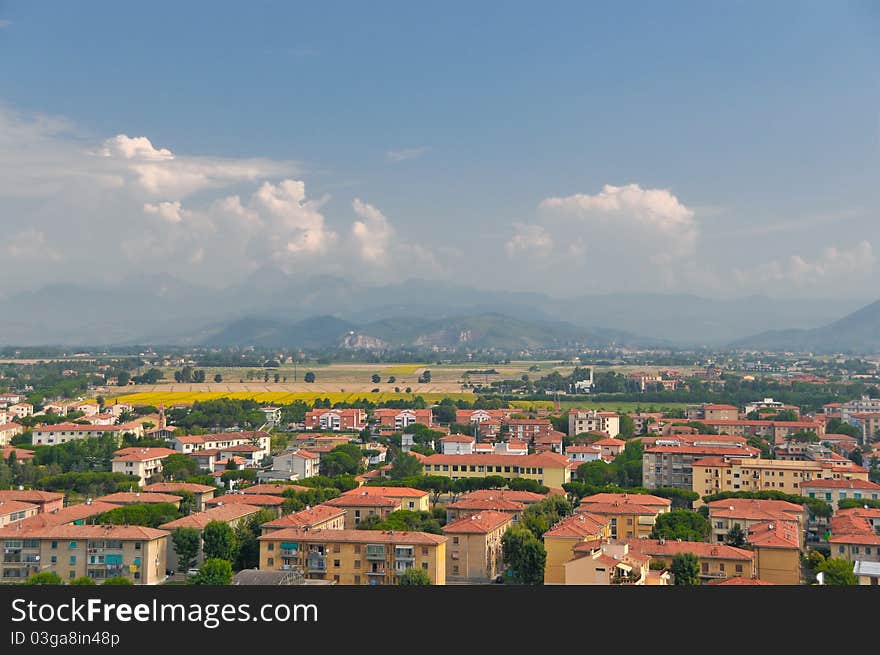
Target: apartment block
point(672, 465)
point(474, 552)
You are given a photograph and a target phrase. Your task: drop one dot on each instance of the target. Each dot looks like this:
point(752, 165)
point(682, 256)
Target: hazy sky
point(727, 148)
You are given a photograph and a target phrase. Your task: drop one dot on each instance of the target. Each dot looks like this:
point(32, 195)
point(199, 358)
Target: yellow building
point(12, 511)
point(96, 551)
point(319, 517)
point(473, 552)
point(201, 492)
point(776, 545)
point(746, 512)
point(414, 500)
point(629, 516)
point(712, 475)
point(359, 507)
point(716, 561)
point(548, 469)
point(354, 557)
point(562, 538)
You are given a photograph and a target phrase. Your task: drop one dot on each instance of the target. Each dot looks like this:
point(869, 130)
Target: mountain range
point(272, 308)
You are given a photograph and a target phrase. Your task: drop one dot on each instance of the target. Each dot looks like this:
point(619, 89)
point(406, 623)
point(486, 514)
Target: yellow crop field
point(402, 369)
point(172, 398)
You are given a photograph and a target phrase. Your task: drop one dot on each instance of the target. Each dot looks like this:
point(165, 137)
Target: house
point(363, 505)
point(71, 515)
point(712, 475)
point(12, 511)
point(223, 440)
point(510, 447)
point(525, 497)
point(319, 517)
point(8, 431)
point(867, 573)
point(50, 435)
point(580, 421)
point(21, 454)
point(87, 409)
point(354, 557)
point(301, 463)
point(46, 501)
point(581, 454)
point(7, 399)
point(610, 447)
point(776, 545)
point(232, 514)
point(746, 512)
point(527, 429)
point(562, 538)
point(464, 416)
point(716, 561)
point(465, 507)
point(272, 414)
point(201, 492)
point(336, 419)
point(548, 469)
point(20, 410)
point(629, 516)
point(276, 489)
point(144, 463)
point(457, 444)
point(138, 498)
point(716, 412)
point(473, 552)
point(609, 563)
point(415, 500)
point(833, 491)
point(378, 455)
point(552, 441)
point(855, 535)
point(399, 419)
point(97, 551)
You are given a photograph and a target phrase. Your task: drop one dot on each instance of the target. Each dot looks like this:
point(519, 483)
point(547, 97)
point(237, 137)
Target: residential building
point(582, 454)
point(868, 423)
point(319, 517)
point(867, 573)
point(776, 545)
point(336, 419)
point(480, 415)
point(414, 500)
point(526, 429)
point(231, 514)
point(301, 463)
point(12, 511)
point(20, 410)
point(548, 469)
point(363, 505)
point(8, 431)
point(864, 405)
point(610, 447)
point(855, 535)
point(272, 489)
point(96, 551)
point(143, 463)
point(562, 538)
point(399, 419)
point(457, 444)
point(580, 421)
point(354, 557)
point(552, 441)
point(473, 552)
point(629, 516)
point(261, 501)
point(272, 414)
point(465, 507)
point(50, 435)
point(715, 412)
point(201, 492)
point(222, 441)
point(716, 561)
point(833, 491)
point(712, 475)
point(609, 563)
point(21, 454)
point(672, 465)
point(747, 512)
point(525, 497)
point(645, 422)
point(45, 501)
point(138, 498)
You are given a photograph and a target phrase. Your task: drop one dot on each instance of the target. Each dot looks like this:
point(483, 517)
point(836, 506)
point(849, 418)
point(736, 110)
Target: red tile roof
point(123, 532)
point(774, 534)
point(478, 504)
point(636, 499)
point(223, 513)
point(388, 492)
point(578, 526)
point(30, 495)
point(670, 548)
point(246, 499)
point(841, 484)
point(10, 506)
point(171, 487)
point(545, 460)
point(525, 497)
point(322, 535)
point(273, 489)
point(134, 497)
point(307, 517)
point(363, 500)
point(481, 523)
point(143, 454)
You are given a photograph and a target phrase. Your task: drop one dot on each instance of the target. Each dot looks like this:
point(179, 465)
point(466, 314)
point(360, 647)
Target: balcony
point(375, 552)
point(289, 552)
point(316, 563)
point(379, 572)
point(713, 575)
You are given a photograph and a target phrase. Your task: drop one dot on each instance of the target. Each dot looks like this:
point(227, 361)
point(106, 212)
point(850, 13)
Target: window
point(54, 559)
point(719, 525)
point(357, 579)
point(137, 545)
point(357, 564)
point(270, 561)
point(54, 544)
point(72, 545)
point(739, 568)
point(841, 549)
point(455, 569)
point(721, 567)
point(72, 575)
point(336, 563)
point(336, 548)
point(424, 550)
point(271, 546)
point(336, 578)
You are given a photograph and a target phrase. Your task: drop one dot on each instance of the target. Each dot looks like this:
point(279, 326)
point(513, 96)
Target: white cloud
point(294, 222)
point(373, 234)
point(832, 267)
point(30, 244)
point(139, 147)
point(529, 239)
point(406, 153)
point(172, 212)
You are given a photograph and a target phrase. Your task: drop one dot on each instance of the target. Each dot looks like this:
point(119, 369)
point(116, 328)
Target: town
point(536, 478)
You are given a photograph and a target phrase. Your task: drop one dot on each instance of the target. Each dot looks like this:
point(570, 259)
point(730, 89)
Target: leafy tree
point(147, 514)
point(524, 555)
point(218, 378)
point(199, 375)
point(187, 542)
point(219, 541)
point(736, 536)
point(309, 377)
point(686, 569)
point(83, 581)
point(415, 577)
point(179, 467)
point(214, 571)
point(376, 378)
point(837, 426)
point(681, 524)
point(43, 578)
point(404, 520)
point(541, 516)
point(346, 459)
point(124, 378)
point(247, 534)
point(837, 572)
point(405, 466)
point(627, 426)
point(849, 503)
point(118, 580)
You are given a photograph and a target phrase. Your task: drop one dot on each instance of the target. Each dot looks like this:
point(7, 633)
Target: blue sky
point(726, 148)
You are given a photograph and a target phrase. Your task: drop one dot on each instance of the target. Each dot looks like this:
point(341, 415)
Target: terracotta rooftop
point(577, 525)
point(306, 517)
point(223, 513)
point(322, 535)
point(30, 495)
point(171, 487)
point(480, 504)
point(123, 532)
point(525, 497)
point(636, 499)
point(670, 548)
point(246, 499)
point(480, 523)
point(134, 497)
point(363, 500)
point(273, 489)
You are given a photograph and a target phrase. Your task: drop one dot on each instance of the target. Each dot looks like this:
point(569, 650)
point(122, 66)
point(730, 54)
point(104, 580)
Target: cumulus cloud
point(833, 266)
point(530, 240)
point(172, 212)
point(404, 154)
point(373, 234)
point(139, 147)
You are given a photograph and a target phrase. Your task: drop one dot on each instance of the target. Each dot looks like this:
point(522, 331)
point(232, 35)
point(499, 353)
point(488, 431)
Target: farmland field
point(171, 398)
point(610, 406)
